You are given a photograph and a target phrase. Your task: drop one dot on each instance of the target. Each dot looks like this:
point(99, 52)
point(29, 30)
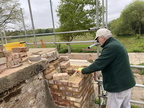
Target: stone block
point(64, 64)
point(35, 58)
point(3, 60)
point(60, 76)
point(49, 69)
point(50, 75)
point(63, 58)
point(3, 67)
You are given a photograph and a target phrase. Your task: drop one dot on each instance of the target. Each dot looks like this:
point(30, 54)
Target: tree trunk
point(69, 47)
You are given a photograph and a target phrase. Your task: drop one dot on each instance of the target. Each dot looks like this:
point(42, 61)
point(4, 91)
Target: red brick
point(9, 58)
point(15, 55)
point(60, 76)
point(50, 75)
point(1, 54)
point(7, 53)
point(61, 82)
point(3, 67)
point(20, 49)
point(54, 87)
point(62, 87)
point(63, 103)
point(17, 61)
point(23, 54)
point(64, 64)
point(3, 60)
point(74, 99)
point(67, 93)
point(10, 64)
point(58, 93)
point(50, 81)
point(71, 70)
point(49, 69)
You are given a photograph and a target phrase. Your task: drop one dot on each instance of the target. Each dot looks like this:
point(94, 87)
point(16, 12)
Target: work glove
point(79, 70)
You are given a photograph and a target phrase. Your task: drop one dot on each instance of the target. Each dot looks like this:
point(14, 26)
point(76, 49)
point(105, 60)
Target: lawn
point(132, 43)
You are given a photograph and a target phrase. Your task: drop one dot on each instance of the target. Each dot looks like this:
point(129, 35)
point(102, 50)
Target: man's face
point(101, 40)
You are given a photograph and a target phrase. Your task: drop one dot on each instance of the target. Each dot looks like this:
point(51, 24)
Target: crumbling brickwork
point(69, 90)
point(9, 59)
point(51, 82)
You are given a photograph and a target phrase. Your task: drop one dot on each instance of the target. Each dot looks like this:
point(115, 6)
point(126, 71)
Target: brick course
point(75, 91)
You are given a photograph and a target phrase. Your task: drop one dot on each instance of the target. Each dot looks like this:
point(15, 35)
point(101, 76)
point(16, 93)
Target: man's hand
point(79, 69)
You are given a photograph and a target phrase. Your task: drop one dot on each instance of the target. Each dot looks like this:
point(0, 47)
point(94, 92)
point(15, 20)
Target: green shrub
point(133, 106)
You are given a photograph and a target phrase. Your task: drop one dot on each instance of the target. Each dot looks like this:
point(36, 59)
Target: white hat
point(103, 32)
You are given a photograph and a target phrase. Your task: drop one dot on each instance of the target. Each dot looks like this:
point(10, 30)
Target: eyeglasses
point(98, 39)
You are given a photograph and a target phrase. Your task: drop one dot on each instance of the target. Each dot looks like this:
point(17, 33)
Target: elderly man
point(114, 63)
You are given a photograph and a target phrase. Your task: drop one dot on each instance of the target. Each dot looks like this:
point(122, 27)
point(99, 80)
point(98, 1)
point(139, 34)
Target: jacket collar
point(107, 41)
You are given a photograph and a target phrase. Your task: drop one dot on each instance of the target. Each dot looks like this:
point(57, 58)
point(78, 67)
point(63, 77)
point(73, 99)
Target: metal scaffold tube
point(32, 22)
point(24, 25)
point(53, 23)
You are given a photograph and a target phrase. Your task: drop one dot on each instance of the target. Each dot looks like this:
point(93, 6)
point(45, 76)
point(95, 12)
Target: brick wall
point(13, 58)
point(48, 83)
point(68, 88)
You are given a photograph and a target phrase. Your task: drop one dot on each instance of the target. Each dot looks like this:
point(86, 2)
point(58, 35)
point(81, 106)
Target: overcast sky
point(42, 13)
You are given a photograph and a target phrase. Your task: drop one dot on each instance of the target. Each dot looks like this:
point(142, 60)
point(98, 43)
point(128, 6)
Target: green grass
point(141, 70)
point(133, 106)
point(132, 43)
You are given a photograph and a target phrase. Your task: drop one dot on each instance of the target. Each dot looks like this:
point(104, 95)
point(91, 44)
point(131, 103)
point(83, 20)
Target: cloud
point(115, 8)
point(42, 12)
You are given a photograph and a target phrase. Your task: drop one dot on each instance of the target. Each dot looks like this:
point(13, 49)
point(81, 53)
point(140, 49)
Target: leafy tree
point(9, 12)
point(76, 15)
point(131, 20)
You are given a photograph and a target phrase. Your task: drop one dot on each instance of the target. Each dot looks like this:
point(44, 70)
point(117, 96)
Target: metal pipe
point(1, 36)
point(102, 13)
point(95, 44)
point(137, 66)
point(32, 22)
point(106, 13)
point(137, 102)
point(43, 34)
point(53, 22)
point(139, 85)
point(24, 25)
point(97, 11)
point(5, 35)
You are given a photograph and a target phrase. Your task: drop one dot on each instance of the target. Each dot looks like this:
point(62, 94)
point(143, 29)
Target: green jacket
point(115, 67)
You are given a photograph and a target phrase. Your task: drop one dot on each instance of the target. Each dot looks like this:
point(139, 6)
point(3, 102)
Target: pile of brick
point(50, 56)
point(2, 60)
point(68, 88)
point(9, 59)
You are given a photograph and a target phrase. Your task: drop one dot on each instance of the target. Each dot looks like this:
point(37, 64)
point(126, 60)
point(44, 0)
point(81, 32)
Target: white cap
point(103, 32)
